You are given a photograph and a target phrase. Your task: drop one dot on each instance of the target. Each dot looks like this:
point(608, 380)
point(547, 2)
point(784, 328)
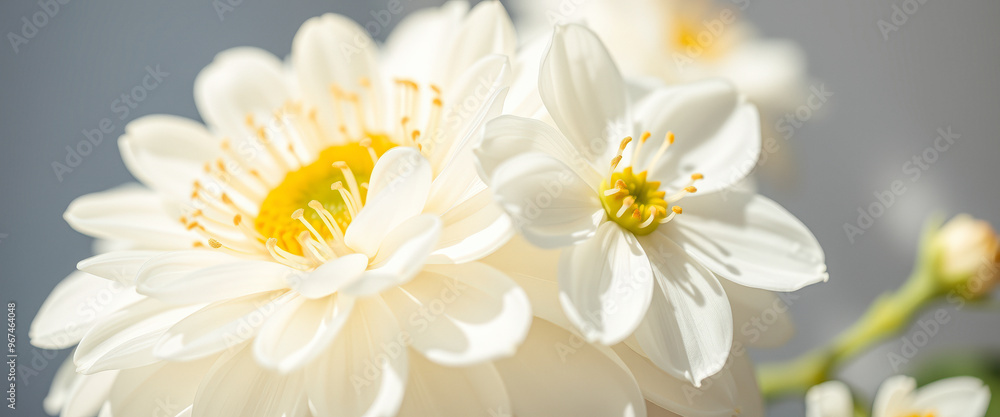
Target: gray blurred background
point(890, 96)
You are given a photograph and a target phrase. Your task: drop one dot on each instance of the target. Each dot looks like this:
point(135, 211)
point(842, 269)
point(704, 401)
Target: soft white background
point(940, 69)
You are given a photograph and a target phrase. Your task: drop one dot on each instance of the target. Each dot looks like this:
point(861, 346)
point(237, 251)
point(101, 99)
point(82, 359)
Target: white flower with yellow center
point(681, 41)
point(634, 261)
point(314, 249)
point(899, 397)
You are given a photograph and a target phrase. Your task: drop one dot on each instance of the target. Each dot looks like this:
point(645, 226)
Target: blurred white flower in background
point(899, 397)
point(633, 264)
point(681, 41)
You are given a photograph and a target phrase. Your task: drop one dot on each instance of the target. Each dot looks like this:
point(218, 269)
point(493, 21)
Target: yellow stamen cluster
point(635, 202)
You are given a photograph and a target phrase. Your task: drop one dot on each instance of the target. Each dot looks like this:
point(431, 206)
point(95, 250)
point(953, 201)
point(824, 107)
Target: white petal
point(61, 384)
point(397, 191)
point(550, 204)
point(750, 240)
point(487, 30)
point(197, 276)
point(477, 97)
point(509, 136)
point(459, 315)
point(829, 399)
point(717, 131)
point(167, 152)
point(237, 387)
point(412, 49)
point(435, 390)
point(74, 306)
point(584, 92)
point(219, 326)
point(957, 396)
point(121, 266)
point(894, 396)
point(689, 327)
point(732, 391)
point(331, 276)
point(606, 284)
point(586, 379)
point(77, 395)
point(760, 317)
point(129, 213)
point(332, 50)
point(535, 270)
point(125, 339)
point(364, 372)
point(240, 82)
point(300, 331)
point(162, 389)
point(471, 230)
point(88, 394)
point(403, 253)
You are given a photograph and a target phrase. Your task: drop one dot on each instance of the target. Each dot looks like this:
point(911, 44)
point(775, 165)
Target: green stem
point(887, 316)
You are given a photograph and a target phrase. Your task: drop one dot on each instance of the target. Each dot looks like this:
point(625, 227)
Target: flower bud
point(968, 252)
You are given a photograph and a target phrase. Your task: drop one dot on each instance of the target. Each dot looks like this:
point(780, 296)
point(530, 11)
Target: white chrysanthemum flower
point(681, 41)
point(899, 397)
point(314, 249)
point(633, 264)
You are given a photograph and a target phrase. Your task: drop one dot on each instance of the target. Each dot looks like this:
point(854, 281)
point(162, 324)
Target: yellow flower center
point(633, 201)
point(349, 165)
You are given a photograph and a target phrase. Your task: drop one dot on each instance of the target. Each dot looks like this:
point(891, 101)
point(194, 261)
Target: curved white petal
point(240, 82)
point(235, 386)
point(300, 331)
point(829, 399)
point(717, 134)
point(688, 329)
point(460, 315)
point(219, 326)
point(732, 391)
point(486, 30)
point(198, 276)
point(509, 136)
point(606, 284)
point(397, 191)
point(121, 266)
point(330, 277)
point(161, 389)
point(167, 152)
point(74, 306)
point(760, 317)
point(771, 72)
point(77, 395)
point(957, 396)
point(364, 372)
point(435, 390)
point(471, 230)
point(750, 240)
point(125, 339)
point(548, 202)
point(535, 270)
point(894, 396)
point(333, 51)
point(584, 92)
point(413, 49)
point(588, 380)
point(477, 97)
point(88, 394)
point(130, 213)
point(403, 253)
